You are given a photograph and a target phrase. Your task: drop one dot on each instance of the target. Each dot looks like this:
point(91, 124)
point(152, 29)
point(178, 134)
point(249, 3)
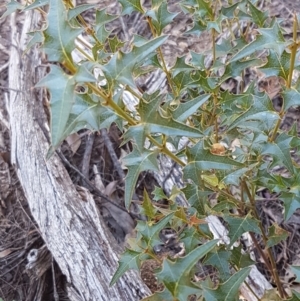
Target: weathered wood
point(72, 229)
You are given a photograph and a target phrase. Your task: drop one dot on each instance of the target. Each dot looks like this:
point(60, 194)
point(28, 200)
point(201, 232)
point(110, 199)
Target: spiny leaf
point(36, 4)
point(129, 6)
point(120, 68)
point(291, 203)
point(259, 17)
point(74, 12)
point(150, 232)
point(238, 226)
point(129, 260)
point(280, 151)
point(61, 88)
point(59, 35)
point(180, 66)
point(227, 291)
point(239, 259)
point(147, 206)
point(269, 38)
point(291, 98)
point(276, 235)
point(137, 162)
point(11, 7)
point(102, 18)
point(174, 274)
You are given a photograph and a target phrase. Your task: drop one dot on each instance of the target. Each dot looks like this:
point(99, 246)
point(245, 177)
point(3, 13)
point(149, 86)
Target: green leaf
point(291, 98)
point(239, 259)
point(276, 235)
point(291, 203)
point(180, 66)
point(158, 194)
point(129, 260)
point(37, 37)
point(36, 4)
point(129, 6)
point(59, 35)
point(120, 68)
point(186, 109)
point(74, 12)
point(238, 226)
point(200, 159)
point(61, 87)
point(150, 233)
point(296, 271)
point(137, 162)
point(11, 7)
point(261, 109)
point(220, 260)
point(147, 207)
point(160, 15)
point(229, 290)
point(269, 38)
point(277, 65)
point(102, 18)
point(280, 151)
point(174, 275)
point(259, 17)
point(152, 121)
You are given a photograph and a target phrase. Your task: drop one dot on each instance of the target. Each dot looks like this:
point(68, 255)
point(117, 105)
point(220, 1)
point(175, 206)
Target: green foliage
point(235, 139)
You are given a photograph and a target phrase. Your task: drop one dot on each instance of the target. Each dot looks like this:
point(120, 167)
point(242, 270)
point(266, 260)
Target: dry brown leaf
point(4, 253)
point(74, 141)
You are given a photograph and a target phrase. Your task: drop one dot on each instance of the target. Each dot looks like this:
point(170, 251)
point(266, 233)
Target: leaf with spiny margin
point(198, 60)
point(59, 35)
point(269, 38)
point(238, 226)
point(37, 37)
point(183, 81)
point(11, 7)
point(150, 232)
point(235, 69)
point(191, 239)
point(136, 162)
point(291, 98)
point(291, 203)
point(175, 274)
point(161, 17)
point(36, 4)
point(102, 18)
point(164, 295)
point(276, 235)
point(180, 66)
point(186, 109)
point(129, 6)
point(280, 151)
point(159, 194)
point(152, 121)
point(277, 65)
point(220, 260)
point(261, 109)
point(74, 12)
point(147, 207)
point(200, 159)
point(129, 260)
point(229, 290)
point(120, 67)
point(239, 259)
point(62, 90)
point(196, 198)
point(259, 16)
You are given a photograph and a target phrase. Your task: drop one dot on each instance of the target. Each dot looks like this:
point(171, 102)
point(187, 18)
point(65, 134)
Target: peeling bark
point(72, 229)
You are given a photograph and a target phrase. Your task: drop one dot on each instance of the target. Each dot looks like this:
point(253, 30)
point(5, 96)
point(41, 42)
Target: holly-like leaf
point(120, 67)
point(259, 16)
point(280, 151)
point(238, 226)
point(61, 87)
point(180, 66)
point(152, 121)
point(228, 291)
point(129, 260)
point(129, 6)
point(158, 194)
point(160, 15)
point(59, 35)
point(269, 38)
point(36, 4)
point(102, 18)
point(291, 98)
point(291, 203)
point(260, 109)
point(137, 162)
point(147, 206)
point(11, 7)
point(239, 259)
point(150, 232)
point(220, 260)
point(174, 275)
point(37, 37)
point(276, 235)
point(74, 12)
